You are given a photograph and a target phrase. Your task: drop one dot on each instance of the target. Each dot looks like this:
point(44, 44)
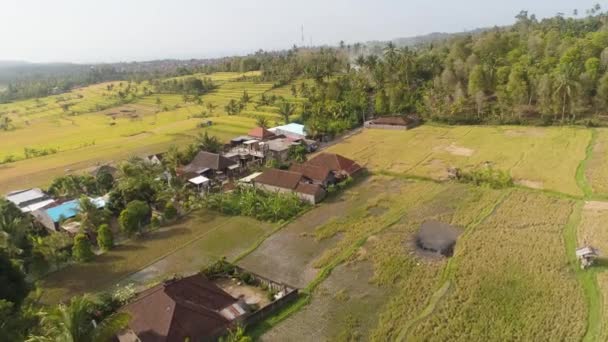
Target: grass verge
point(587, 278)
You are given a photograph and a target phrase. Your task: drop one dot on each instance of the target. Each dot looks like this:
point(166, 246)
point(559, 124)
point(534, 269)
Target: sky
point(91, 31)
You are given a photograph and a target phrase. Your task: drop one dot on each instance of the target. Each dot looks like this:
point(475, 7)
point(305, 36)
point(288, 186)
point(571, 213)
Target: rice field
point(509, 278)
point(592, 231)
point(184, 247)
point(544, 158)
point(96, 128)
point(598, 163)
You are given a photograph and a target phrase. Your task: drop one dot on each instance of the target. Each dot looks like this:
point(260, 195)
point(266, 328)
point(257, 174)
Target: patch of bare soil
point(530, 183)
point(344, 307)
point(596, 205)
point(288, 256)
point(252, 295)
point(459, 150)
point(529, 132)
point(130, 111)
point(440, 170)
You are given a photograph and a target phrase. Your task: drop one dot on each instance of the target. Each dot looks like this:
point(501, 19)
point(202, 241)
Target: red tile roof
point(336, 163)
point(207, 160)
point(316, 173)
point(279, 178)
point(309, 189)
point(260, 133)
point(179, 309)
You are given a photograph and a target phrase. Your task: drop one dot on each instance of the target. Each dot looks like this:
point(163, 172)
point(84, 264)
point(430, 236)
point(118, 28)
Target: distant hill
point(422, 39)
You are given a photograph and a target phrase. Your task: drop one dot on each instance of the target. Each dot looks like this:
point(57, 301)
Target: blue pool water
point(70, 209)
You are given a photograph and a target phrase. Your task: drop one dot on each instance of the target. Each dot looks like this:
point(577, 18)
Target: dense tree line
point(550, 71)
point(189, 85)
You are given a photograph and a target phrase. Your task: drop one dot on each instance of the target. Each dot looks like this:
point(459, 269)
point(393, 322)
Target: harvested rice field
point(92, 125)
point(509, 277)
point(544, 158)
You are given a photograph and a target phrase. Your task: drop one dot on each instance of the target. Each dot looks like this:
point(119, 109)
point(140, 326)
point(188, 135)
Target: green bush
point(105, 238)
point(81, 251)
point(135, 216)
point(487, 176)
point(170, 211)
point(247, 201)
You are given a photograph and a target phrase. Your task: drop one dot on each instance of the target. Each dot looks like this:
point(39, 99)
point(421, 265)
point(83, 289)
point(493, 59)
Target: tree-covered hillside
point(550, 71)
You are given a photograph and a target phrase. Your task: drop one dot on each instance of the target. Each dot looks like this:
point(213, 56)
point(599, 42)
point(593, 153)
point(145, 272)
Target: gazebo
point(587, 256)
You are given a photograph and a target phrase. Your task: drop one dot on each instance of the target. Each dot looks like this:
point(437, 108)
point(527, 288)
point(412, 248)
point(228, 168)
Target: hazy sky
point(126, 30)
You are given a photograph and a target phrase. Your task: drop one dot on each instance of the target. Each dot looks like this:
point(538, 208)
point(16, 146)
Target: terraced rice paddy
point(513, 275)
point(96, 128)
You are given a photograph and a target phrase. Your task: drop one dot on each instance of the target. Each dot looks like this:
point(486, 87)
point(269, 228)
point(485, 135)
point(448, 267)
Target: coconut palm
point(286, 109)
point(210, 107)
point(88, 215)
point(13, 233)
point(75, 322)
point(262, 121)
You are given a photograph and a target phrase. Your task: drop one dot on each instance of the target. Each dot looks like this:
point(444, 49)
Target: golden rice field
point(545, 158)
point(509, 279)
point(96, 129)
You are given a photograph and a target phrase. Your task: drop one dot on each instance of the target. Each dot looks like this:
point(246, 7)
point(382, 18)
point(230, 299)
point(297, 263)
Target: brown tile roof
point(279, 178)
point(179, 309)
point(309, 189)
point(207, 160)
point(317, 173)
point(260, 133)
point(336, 163)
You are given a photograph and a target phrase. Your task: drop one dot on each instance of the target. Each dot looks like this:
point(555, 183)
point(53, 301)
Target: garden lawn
point(536, 157)
point(211, 235)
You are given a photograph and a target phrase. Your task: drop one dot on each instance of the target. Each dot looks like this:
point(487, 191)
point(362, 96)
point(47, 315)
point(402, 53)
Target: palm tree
point(286, 109)
point(75, 323)
point(88, 214)
point(262, 121)
point(390, 53)
point(210, 107)
point(565, 88)
point(12, 234)
point(5, 123)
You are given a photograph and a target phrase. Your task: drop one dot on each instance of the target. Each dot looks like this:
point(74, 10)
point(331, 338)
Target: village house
point(209, 165)
point(54, 214)
point(315, 174)
point(275, 180)
point(339, 165)
point(29, 200)
point(187, 309)
point(278, 149)
point(154, 159)
point(251, 148)
point(293, 131)
point(394, 122)
point(261, 134)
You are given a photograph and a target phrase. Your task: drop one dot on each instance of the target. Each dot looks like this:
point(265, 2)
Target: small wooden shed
point(587, 256)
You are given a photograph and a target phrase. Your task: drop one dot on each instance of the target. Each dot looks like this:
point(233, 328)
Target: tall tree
point(75, 322)
point(286, 110)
